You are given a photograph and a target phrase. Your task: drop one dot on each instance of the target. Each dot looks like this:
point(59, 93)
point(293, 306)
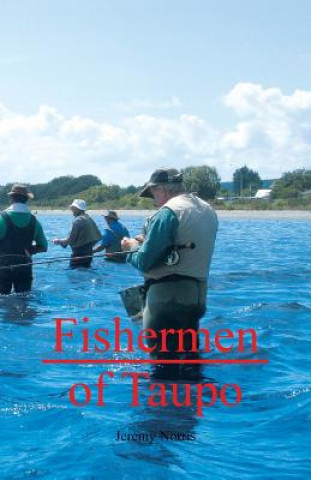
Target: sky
point(118, 88)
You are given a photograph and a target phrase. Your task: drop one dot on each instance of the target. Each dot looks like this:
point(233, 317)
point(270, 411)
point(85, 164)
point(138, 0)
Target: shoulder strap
point(6, 217)
point(32, 225)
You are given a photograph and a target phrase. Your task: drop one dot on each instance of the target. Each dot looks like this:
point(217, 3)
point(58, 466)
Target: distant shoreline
point(301, 215)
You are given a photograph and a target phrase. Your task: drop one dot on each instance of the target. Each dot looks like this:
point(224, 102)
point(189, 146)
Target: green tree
point(203, 180)
point(292, 184)
point(246, 179)
point(131, 189)
point(102, 193)
point(62, 186)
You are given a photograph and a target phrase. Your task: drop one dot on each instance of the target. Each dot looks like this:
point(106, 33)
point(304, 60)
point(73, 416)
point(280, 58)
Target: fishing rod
point(68, 258)
point(51, 260)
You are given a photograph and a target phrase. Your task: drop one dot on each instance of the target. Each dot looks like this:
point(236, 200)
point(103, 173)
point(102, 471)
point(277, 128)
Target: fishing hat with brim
point(112, 215)
point(19, 189)
point(80, 204)
point(161, 176)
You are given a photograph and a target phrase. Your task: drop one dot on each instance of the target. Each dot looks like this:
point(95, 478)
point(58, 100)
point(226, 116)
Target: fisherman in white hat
point(83, 236)
point(21, 236)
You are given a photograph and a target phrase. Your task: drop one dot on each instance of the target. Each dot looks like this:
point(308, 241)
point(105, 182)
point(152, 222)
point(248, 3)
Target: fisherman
point(83, 236)
point(21, 236)
point(112, 236)
point(175, 258)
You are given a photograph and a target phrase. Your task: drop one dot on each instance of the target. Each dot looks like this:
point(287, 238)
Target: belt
point(168, 278)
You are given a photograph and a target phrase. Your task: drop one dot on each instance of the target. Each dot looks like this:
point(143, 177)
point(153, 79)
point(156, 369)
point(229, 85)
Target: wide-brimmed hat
point(160, 177)
point(19, 189)
point(80, 204)
point(112, 214)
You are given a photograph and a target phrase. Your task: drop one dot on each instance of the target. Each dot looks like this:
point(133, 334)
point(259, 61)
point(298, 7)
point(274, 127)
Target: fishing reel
point(173, 258)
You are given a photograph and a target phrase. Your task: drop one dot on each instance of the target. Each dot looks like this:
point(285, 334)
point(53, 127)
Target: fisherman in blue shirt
point(112, 236)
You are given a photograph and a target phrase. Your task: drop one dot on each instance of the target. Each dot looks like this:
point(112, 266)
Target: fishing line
point(51, 260)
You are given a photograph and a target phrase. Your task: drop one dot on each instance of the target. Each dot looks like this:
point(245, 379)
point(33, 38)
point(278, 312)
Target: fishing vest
point(17, 239)
point(88, 232)
point(198, 225)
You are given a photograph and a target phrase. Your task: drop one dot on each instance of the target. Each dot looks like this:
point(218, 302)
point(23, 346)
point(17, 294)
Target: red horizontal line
point(131, 361)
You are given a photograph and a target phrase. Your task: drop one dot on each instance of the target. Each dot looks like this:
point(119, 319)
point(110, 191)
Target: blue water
point(260, 278)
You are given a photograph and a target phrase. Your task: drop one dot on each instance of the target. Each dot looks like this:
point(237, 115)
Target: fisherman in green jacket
point(21, 236)
point(174, 258)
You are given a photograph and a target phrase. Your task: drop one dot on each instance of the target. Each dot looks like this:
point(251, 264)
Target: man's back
point(21, 218)
point(21, 235)
point(114, 234)
point(84, 231)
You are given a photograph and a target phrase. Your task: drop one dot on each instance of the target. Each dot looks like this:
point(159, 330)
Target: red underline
point(154, 361)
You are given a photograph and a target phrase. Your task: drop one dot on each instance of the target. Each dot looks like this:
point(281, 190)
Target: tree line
point(204, 180)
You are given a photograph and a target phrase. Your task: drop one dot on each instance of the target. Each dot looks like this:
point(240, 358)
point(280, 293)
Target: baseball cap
point(159, 177)
point(111, 214)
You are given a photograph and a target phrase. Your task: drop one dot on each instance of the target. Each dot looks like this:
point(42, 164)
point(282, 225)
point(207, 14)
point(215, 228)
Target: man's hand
point(58, 241)
point(129, 244)
point(35, 249)
point(140, 238)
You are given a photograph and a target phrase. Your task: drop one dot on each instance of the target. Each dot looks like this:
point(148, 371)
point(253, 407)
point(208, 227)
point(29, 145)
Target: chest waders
point(12, 254)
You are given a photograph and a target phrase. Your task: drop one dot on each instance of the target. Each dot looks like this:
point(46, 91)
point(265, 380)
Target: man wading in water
point(21, 236)
point(175, 259)
point(82, 238)
point(112, 236)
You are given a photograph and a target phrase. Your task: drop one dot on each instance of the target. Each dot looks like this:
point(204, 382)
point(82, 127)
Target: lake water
point(260, 278)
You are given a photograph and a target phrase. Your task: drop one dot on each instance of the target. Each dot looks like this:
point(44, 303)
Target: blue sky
point(102, 86)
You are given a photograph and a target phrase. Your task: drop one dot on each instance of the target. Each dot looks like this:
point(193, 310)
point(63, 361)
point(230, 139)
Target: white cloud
point(147, 104)
point(275, 134)
point(272, 135)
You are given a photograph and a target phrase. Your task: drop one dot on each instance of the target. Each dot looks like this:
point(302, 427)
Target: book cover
point(95, 96)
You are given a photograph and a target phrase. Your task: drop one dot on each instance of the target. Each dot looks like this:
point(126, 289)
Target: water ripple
point(259, 279)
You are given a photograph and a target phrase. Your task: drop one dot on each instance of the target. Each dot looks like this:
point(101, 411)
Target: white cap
point(80, 204)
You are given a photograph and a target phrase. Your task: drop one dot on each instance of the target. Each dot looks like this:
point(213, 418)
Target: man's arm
point(160, 237)
point(99, 248)
point(72, 237)
point(107, 239)
point(40, 239)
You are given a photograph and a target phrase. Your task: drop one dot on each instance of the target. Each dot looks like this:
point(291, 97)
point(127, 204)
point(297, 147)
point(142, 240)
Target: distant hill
point(60, 192)
point(56, 188)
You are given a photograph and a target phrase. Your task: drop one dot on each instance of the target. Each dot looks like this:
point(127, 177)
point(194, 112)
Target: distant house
point(306, 193)
point(263, 193)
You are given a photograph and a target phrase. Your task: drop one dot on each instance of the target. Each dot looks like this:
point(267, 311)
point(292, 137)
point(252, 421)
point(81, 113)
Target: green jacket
point(22, 219)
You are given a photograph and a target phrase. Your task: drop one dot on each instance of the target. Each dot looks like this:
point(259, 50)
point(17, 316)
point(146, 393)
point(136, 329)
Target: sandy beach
point(301, 215)
point(295, 215)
